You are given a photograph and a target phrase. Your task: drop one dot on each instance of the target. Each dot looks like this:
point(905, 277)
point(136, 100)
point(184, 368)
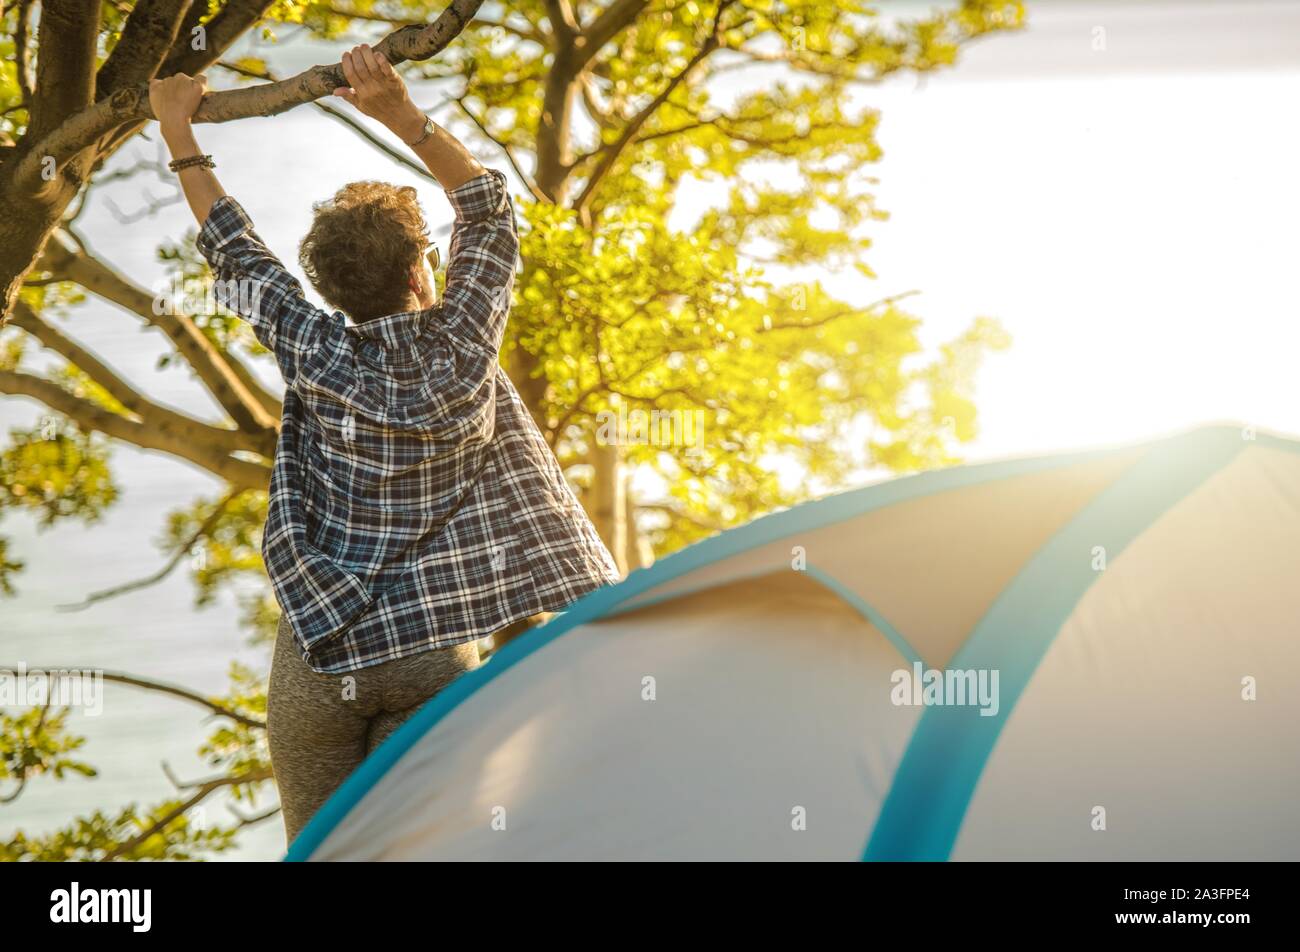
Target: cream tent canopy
point(1086, 656)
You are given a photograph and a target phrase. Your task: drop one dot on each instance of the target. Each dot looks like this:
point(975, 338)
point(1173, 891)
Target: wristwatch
point(424, 133)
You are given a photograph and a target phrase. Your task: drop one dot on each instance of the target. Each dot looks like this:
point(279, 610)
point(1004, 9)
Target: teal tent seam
point(867, 611)
point(946, 756)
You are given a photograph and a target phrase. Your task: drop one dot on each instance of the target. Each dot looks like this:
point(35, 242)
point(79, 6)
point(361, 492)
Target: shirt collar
point(393, 330)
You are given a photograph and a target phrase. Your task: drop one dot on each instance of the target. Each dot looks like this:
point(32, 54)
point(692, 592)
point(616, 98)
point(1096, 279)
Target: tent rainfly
point(1084, 656)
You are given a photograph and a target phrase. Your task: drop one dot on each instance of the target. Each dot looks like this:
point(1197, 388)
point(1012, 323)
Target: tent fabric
point(1121, 596)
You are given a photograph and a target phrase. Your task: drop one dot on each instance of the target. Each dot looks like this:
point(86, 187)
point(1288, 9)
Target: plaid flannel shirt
point(414, 504)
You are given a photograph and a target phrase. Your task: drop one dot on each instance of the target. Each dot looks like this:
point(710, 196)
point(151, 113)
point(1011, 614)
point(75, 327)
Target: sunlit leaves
point(57, 472)
point(8, 568)
point(633, 313)
point(35, 743)
point(190, 283)
point(101, 835)
point(235, 749)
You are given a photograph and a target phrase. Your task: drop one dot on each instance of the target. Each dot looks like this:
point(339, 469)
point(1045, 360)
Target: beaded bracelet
point(190, 161)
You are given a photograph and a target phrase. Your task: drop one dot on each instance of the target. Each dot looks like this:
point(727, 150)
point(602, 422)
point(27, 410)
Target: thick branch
point(32, 200)
point(211, 366)
point(22, 55)
point(65, 64)
point(372, 139)
point(132, 104)
point(186, 443)
point(132, 400)
point(147, 39)
point(564, 25)
point(609, 24)
point(218, 34)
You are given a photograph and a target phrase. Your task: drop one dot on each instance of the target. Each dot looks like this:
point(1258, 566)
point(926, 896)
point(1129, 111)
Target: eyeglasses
point(432, 256)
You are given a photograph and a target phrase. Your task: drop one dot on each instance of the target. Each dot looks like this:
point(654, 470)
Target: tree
point(688, 356)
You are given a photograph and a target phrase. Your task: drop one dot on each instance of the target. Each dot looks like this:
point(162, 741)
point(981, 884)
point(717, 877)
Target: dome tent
point(1127, 618)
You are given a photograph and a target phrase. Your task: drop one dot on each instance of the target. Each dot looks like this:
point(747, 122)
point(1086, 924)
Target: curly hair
point(362, 246)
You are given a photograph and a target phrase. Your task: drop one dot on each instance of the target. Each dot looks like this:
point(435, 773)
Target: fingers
point(360, 70)
point(202, 81)
point(369, 62)
point(350, 70)
point(367, 73)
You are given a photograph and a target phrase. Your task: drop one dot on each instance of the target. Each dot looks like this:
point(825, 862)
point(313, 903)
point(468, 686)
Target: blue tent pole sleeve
point(926, 804)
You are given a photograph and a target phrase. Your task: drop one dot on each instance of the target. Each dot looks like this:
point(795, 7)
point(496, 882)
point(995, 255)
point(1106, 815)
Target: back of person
point(415, 507)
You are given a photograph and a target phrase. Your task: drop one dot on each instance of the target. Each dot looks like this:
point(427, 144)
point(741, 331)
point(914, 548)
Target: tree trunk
point(608, 502)
point(639, 553)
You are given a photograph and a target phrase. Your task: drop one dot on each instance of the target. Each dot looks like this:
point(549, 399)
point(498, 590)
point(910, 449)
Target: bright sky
point(1127, 213)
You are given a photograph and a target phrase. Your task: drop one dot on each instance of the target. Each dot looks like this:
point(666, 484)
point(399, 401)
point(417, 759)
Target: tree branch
point(403, 160)
point(201, 794)
point(65, 65)
point(564, 25)
point(599, 115)
point(204, 528)
point(147, 39)
point(528, 33)
point(22, 55)
point(132, 104)
point(504, 147)
point(838, 315)
point(219, 34)
point(132, 400)
point(186, 443)
point(609, 24)
point(213, 368)
point(162, 687)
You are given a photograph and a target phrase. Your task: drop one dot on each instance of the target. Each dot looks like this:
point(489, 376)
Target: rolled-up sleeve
point(482, 260)
point(251, 281)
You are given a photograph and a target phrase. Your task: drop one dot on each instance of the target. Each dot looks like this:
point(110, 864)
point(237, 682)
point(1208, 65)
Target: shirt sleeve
point(481, 264)
point(251, 281)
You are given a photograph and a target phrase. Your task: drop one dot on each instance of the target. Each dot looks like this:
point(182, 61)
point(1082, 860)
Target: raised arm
point(250, 279)
point(379, 92)
point(174, 101)
point(485, 242)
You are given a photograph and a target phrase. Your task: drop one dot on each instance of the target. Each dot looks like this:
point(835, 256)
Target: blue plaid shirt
point(414, 503)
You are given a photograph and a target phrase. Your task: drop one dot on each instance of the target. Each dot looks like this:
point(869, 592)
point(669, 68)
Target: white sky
point(1128, 215)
